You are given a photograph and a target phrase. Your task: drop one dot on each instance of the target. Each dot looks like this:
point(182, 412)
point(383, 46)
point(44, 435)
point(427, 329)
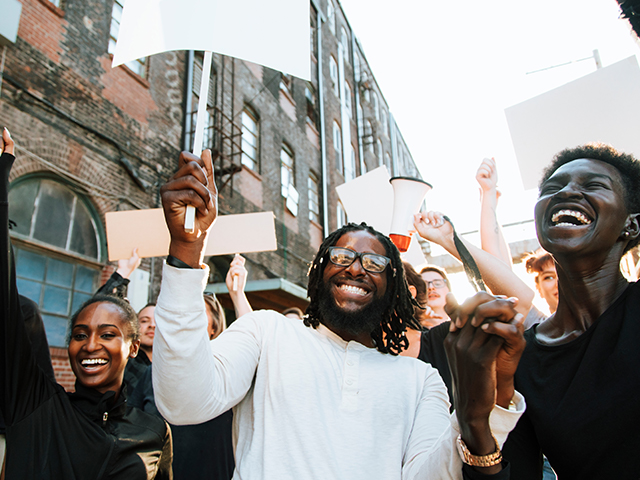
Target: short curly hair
point(627, 165)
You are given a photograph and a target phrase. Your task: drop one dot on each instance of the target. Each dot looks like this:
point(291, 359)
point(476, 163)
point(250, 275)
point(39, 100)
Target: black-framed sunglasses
point(371, 262)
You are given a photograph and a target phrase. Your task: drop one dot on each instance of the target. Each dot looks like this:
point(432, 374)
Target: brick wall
point(62, 369)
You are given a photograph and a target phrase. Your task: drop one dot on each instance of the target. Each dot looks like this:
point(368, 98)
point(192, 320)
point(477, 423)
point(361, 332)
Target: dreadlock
point(389, 336)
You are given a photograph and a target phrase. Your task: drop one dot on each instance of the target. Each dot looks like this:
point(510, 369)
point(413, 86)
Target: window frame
point(139, 66)
point(252, 164)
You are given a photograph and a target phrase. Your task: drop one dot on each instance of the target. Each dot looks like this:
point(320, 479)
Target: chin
point(358, 321)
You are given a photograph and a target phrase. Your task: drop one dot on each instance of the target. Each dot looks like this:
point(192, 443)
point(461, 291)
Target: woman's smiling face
point(100, 346)
point(581, 208)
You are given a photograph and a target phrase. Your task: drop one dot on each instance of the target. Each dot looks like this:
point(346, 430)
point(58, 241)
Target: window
point(350, 165)
point(369, 134)
point(376, 106)
point(312, 113)
point(314, 197)
point(383, 118)
point(331, 16)
point(138, 66)
point(286, 84)
point(337, 144)
point(313, 32)
point(192, 114)
point(341, 219)
point(288, 179)
point(387, 162)
point(250, 137)
point(58, 268)
point(347, 98)
point(333, 73)
point(56, 2)
point(379, 154)
point(344, 41)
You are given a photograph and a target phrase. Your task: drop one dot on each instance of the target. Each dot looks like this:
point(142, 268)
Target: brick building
point(92, 139)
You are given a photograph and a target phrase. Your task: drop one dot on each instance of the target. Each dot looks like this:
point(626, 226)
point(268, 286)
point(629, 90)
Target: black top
point(582, 400)
point(432, 351)
point(51, 434)
point(200, 452)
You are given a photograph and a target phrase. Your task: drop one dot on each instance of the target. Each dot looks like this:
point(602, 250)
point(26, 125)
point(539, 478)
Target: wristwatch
point(478, 460)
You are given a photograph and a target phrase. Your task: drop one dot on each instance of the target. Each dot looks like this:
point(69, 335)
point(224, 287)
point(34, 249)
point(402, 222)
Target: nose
point(153, 323)
point(570, 190)
point(92, 343)
point(356, 269)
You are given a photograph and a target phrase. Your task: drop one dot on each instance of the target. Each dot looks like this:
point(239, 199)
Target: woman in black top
point(579, 372)
point(92, 433)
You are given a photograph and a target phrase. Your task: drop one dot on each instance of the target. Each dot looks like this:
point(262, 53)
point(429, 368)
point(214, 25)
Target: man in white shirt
point(329, 398)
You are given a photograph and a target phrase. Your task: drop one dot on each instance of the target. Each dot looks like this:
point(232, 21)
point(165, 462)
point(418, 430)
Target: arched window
point(337, 144)
point(58, 247)
point(331, 16)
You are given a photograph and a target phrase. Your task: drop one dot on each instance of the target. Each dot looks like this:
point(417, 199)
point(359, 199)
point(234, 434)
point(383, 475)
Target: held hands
point(193, 184)
point(483, 348)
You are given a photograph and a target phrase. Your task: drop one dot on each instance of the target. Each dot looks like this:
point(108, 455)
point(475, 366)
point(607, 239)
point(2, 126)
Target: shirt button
point(350, 363)
point(349, 382)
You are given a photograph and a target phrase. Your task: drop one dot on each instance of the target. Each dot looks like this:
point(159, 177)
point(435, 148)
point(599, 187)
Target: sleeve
point(165, 468)
point(432, 452)
point(116, 285)
point(523, 452)
point(195, 380)
point(22, 383)
point(534, 317)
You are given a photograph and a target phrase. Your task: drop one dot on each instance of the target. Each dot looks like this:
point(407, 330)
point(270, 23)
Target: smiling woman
point(579, 370)
point(91, 433)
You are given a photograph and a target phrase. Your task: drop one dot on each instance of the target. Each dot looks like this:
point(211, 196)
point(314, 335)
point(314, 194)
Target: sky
point(449, 69)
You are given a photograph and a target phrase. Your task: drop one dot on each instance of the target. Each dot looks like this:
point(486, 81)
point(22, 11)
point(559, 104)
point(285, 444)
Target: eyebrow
point(102, 325)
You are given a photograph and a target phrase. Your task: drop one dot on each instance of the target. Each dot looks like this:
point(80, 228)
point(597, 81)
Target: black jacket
point(54, 435)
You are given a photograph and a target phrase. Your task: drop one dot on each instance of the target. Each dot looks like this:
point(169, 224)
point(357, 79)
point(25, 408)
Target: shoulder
point(146, 422)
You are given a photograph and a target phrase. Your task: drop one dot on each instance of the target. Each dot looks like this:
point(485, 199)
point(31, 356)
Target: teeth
point(94, 361)
point(569, 213)
point(353, 289)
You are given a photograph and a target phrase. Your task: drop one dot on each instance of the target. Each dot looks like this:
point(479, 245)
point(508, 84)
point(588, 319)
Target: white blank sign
point(603, 106)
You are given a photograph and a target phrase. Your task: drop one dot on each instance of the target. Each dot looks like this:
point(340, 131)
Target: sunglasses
point(371, 262)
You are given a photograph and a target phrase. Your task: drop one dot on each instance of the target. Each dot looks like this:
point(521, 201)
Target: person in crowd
point(579, 369)
point(491, 238)
point(541, 265)
point(418, 291)
point(493, 241)
point(203, 451)
point(147, 321)
point(438, 287)
point(236, 281)
point(293, 312)
point(330, 392)
point(91, 433)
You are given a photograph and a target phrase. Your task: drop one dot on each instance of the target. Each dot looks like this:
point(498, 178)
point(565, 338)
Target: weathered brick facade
point(113, 137)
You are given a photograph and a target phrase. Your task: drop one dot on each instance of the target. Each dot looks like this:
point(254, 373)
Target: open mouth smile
point(569, 218)
point(92, 363)
point(353, 289)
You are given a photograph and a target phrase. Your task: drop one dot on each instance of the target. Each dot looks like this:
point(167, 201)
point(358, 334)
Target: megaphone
point(408, 194)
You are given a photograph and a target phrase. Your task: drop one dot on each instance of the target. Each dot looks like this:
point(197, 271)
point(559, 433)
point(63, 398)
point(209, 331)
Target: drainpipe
point(323, 150)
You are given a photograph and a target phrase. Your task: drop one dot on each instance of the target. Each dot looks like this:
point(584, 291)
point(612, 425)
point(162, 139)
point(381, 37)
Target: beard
point(364, 320)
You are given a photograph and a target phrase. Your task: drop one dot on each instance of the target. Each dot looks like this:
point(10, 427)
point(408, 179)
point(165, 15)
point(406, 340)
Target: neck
point(148, 351)
point(586, 289)
point(363, 338)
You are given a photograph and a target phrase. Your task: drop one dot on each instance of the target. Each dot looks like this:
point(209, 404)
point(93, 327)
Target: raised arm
point(491, 237)
point(236, 282)
point(195, 380)
point(496, 274)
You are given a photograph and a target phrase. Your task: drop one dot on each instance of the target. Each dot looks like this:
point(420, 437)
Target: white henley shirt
point(307, 404)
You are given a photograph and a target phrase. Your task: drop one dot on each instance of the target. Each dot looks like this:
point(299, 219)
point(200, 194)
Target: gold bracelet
point(479, 460)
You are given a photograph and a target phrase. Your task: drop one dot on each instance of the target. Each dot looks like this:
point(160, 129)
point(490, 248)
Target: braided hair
point(389, 336)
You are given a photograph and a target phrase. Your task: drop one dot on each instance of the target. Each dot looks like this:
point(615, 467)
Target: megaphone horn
point(408, 194)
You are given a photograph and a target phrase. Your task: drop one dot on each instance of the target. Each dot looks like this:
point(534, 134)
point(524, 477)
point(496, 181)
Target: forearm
point(240, 303)
point(491, 237)
point(500, 278)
